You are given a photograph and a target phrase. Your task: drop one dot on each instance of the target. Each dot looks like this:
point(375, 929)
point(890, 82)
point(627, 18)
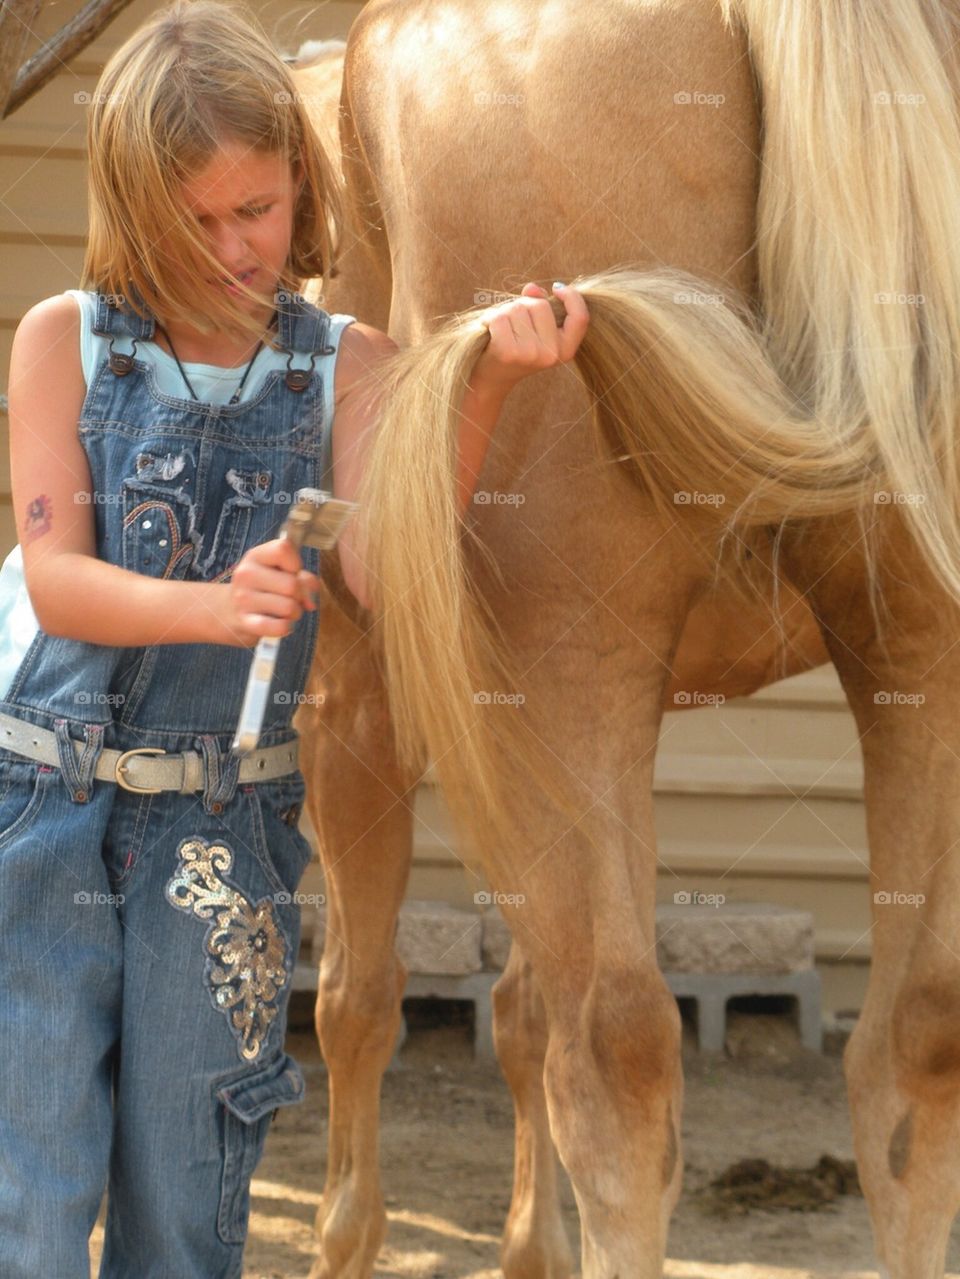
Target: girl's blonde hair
point(196, 74)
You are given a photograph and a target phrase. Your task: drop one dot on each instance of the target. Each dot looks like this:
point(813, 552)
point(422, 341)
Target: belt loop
point(220, 772)
point(78, 773)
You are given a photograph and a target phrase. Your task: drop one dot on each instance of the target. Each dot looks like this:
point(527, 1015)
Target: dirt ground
point(447, 1152)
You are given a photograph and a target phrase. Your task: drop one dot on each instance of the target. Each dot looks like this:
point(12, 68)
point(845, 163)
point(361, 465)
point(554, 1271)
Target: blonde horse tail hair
point(683, 398)
point(857, 229)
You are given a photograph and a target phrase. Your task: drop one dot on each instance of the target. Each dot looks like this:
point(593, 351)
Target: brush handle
point(259, 682)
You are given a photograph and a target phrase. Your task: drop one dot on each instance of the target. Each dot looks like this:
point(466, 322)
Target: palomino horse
point(487, 145)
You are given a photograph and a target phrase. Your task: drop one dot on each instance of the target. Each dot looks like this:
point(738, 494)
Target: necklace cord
point(236, 395)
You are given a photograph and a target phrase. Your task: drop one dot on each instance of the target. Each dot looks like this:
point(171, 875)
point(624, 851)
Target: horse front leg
point(902, 1063)
point(361, 808)
point(535, 1244)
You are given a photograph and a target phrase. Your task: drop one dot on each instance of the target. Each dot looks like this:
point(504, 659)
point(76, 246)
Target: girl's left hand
point(525, 337)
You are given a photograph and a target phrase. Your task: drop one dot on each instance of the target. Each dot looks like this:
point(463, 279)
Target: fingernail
point(557, 285)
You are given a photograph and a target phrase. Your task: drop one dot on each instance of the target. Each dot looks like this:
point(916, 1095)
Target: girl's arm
point(73, 593)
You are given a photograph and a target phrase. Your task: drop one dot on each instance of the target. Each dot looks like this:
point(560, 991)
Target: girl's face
point(244, 200)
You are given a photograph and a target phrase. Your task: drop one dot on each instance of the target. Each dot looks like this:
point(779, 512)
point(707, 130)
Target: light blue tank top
point(212, 383)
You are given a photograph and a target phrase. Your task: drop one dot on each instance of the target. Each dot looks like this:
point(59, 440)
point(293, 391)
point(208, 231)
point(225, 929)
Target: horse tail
point(857, 229)
point(683, 397)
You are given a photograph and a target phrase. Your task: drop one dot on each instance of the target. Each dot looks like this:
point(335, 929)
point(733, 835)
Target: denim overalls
point(147, 941)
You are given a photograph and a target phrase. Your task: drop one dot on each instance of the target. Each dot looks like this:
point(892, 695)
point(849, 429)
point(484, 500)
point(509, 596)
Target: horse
point(750, 467)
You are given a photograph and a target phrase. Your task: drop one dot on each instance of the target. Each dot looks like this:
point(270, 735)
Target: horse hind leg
point(902, 1063)
point(535, 1244)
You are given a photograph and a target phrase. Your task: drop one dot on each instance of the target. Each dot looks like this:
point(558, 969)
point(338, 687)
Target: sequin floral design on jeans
point(246, 959)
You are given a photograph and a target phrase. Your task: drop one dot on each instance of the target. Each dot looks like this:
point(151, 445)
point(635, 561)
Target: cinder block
point(495, 940)
point(433, 937)
point(736, 937)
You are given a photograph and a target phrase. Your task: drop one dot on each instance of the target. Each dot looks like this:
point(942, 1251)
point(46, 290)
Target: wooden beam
point(81, 30)
point(16, 25)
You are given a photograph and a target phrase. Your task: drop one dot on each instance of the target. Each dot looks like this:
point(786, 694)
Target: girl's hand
point(267, 593)
point(525, 338)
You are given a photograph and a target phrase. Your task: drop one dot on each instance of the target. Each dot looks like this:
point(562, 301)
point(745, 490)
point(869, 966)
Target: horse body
point(470, 164)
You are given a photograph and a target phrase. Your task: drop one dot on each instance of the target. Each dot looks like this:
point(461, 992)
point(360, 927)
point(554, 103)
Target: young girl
point(162, 418)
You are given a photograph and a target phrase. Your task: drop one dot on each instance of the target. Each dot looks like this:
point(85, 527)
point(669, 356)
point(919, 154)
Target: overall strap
point(121, 321)
point(301, 328)
point(117, 322)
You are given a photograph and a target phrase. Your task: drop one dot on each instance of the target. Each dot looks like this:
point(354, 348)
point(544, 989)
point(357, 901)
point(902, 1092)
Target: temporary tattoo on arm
point(39, 518)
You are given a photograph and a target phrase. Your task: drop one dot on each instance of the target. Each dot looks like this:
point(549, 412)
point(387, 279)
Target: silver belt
point(147, 769)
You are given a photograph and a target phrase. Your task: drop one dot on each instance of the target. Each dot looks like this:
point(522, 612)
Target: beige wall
point(727, 778)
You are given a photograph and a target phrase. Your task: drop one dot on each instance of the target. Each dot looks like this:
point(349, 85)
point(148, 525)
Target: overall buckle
point(121, 765)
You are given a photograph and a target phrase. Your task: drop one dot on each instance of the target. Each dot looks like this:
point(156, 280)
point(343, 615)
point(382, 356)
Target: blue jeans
point(147, 945)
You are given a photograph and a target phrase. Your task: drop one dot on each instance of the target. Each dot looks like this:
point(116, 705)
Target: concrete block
point(433, 937)
point(735, 937)
point(495, 940)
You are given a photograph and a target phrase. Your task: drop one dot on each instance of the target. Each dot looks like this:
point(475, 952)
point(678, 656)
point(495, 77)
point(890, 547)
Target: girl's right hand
point(267, 593)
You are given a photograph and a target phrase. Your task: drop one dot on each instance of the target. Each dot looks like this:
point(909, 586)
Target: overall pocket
point(23, 787)
point(158, 518)
point(248, 1103)
point(232, 535)
point(283, 850)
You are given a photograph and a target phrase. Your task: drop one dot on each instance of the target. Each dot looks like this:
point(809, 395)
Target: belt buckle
point(121, 765)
